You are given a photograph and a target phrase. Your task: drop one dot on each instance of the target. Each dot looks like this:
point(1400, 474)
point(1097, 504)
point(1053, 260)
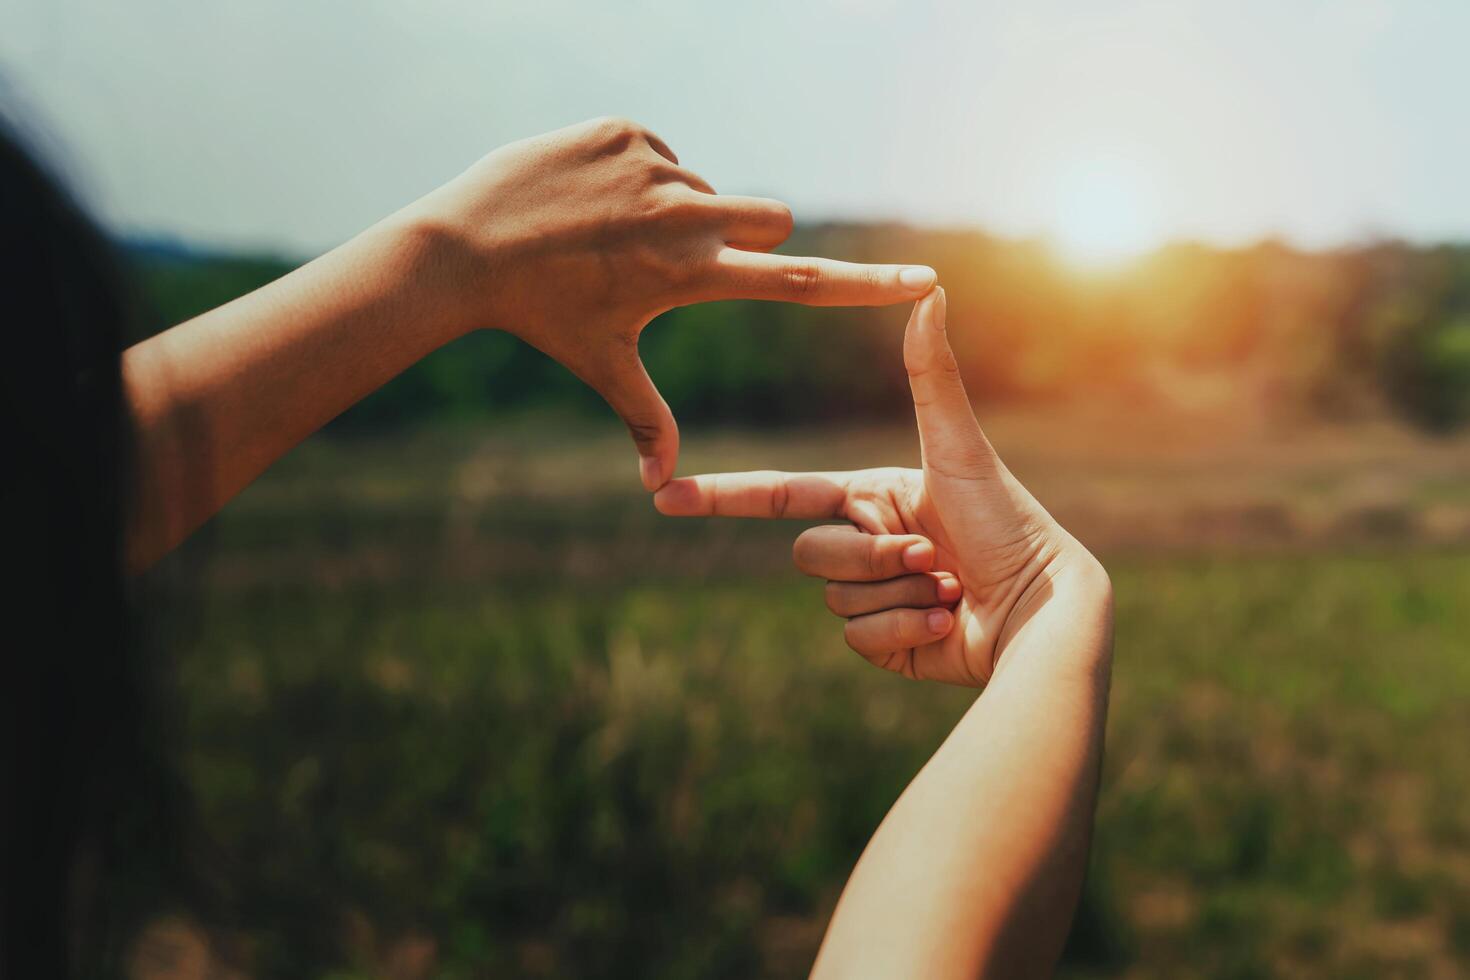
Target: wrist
point(1067, 608)
point(1085, 583)
point(423, 258)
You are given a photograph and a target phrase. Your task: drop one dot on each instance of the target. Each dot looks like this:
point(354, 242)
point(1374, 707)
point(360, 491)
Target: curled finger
point(842, 552)
point(848, 599)
point(878, 635)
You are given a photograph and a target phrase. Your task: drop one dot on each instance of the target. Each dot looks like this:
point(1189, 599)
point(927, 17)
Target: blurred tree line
point(1268, 329)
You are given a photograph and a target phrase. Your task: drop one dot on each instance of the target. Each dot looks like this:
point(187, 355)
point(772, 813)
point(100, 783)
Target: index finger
point(763, 493)
point(818, 281)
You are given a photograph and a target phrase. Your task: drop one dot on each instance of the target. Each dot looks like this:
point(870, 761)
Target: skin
point(955, 573)
point(573, 241)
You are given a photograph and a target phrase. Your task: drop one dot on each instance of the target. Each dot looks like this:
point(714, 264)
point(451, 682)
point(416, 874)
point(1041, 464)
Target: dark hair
point(87, 801)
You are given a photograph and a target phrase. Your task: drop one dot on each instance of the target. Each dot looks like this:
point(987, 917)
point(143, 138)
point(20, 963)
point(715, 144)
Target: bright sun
point(1104, 213)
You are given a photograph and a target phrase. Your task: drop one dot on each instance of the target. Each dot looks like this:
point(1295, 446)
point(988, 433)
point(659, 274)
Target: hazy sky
point(294, 123)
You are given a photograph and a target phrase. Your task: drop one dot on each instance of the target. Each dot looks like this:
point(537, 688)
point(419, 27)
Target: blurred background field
point(459, 703)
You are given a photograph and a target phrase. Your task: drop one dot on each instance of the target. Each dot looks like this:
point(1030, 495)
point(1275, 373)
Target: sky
point(1105, 126)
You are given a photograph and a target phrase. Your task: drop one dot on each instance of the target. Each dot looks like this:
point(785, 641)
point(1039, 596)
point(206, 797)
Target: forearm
point(977, 868)
point(216, 400)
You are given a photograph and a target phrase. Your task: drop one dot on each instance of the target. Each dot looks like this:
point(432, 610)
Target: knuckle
point(598, 125)
point(616, 132)
point(801, 278)
point(852, 636)
point(941, 366)
point(898, 633)
point(947, 364)
point(780, 498)
point(873, 556)
point(644, 427)
point(660, 173)
point(676, 209)
point(681, 178)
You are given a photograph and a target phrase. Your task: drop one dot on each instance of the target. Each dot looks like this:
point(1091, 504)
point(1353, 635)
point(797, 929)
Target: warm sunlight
point(1104, 212)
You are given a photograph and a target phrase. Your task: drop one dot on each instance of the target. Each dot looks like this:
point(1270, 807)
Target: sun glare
point(1104, 214)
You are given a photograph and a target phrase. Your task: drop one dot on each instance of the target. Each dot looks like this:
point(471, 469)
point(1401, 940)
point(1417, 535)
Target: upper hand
point(576, 239)
point(960, 532)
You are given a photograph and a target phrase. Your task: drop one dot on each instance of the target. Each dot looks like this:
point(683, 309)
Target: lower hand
point(945, 565)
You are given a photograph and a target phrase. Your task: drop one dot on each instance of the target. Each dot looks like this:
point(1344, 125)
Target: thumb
point(631, 393)
point(949, 436)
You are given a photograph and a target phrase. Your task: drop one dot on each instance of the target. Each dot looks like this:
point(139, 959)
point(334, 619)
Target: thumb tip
point(925, 337)
point(677, 498)
point(936, 307)
point(651, 473)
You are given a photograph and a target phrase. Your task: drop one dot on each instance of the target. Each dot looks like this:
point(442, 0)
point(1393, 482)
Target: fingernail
point(949, 589)
point(917, 556)
point(651, 471)
point(938, 621)
point(941, 307)
point(917, 277)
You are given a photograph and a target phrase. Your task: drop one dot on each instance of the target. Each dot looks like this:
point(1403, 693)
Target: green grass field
point(462, 705)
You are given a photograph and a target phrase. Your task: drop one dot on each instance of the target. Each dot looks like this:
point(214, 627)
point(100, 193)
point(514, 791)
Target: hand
point(575, 240)
point(961, 532)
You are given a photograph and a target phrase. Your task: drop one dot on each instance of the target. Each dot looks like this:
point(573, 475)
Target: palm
point(988, 533)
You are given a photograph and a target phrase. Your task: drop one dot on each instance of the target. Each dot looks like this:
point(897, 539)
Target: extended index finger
point(818, 281)
point(763, 493)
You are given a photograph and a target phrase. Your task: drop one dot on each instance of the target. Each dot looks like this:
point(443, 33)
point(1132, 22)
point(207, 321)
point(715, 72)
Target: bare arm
point(977, 869)
point(573, 241)
point(218, 399)
point(955, 573)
